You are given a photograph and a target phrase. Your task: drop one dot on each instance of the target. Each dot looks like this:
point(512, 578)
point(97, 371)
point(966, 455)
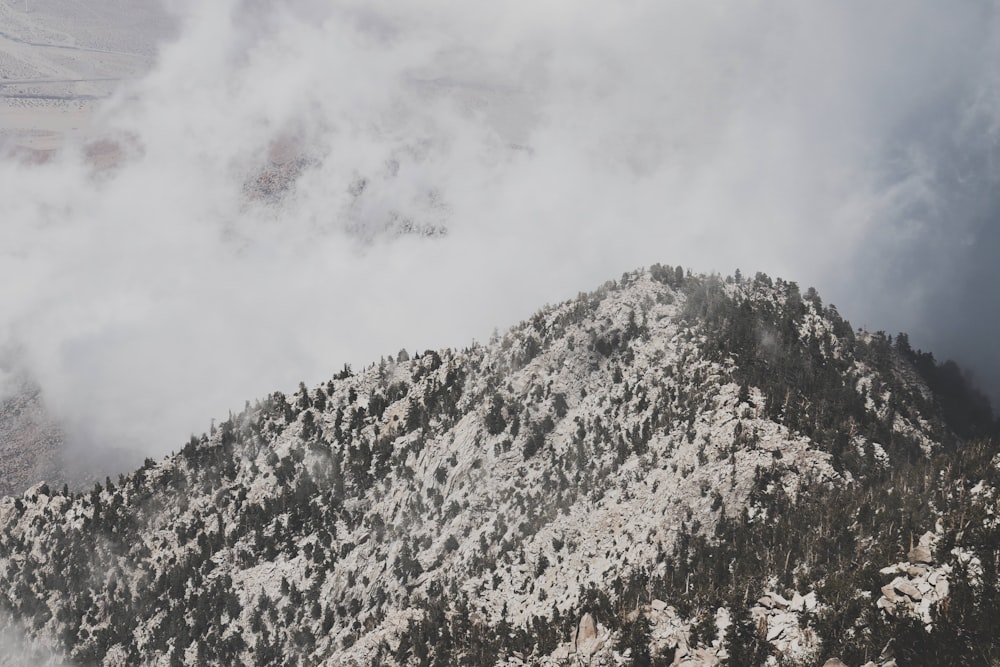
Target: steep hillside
point(672, 467)
point(31, 443)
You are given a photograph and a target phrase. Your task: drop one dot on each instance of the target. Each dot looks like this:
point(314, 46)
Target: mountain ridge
point(518, 501)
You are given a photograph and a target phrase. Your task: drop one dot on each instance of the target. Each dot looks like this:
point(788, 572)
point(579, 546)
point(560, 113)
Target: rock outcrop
point(586, 635)
point(918, 584)
point(779, 621)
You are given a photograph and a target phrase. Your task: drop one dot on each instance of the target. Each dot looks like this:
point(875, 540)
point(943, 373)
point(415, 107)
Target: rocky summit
point(673, 469)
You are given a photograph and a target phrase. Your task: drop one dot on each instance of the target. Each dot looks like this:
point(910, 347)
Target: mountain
point(31, 442)
point(670, 469)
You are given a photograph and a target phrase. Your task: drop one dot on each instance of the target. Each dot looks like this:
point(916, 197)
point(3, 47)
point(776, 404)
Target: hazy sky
point(846, 145)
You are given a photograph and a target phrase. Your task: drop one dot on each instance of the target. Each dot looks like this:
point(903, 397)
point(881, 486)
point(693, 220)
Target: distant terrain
point(31, 444)
point(58, 58)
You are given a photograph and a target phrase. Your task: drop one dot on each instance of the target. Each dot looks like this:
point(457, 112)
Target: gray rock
point(907, 589)
point(700, 658)
point(779, 601)
point(586, 632)
point(889, 607)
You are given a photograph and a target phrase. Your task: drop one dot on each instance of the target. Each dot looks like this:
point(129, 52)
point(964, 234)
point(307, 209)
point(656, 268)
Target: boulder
point(658, 605)
point(941, 588)
point(681, 652)
point(779, 601)
point(700, 658)
point(706, 658)
point(766, 602)
point(920, 554)
point(723, 620)
point(907, 589)
point(586, 632)
point(834, 662)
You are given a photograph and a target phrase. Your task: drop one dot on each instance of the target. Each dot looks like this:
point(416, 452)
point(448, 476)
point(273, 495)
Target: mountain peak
point(567, 488)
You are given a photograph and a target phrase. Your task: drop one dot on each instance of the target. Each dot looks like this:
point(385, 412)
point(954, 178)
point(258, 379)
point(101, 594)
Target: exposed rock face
point(919, 585)
point(586, 633)
point(907, 589)
point(702, 657)
point(778, 618)
point(920, 554)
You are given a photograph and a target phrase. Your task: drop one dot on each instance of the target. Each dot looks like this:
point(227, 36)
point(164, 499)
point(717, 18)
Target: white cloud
point(559, 143)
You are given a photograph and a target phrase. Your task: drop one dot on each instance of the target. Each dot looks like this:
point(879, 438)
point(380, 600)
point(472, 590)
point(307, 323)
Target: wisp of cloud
point(303, 184)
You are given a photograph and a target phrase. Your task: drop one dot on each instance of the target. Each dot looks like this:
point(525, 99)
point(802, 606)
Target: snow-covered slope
point(479, 506)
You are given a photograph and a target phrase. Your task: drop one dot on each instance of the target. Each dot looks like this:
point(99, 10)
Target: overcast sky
point(847, 145)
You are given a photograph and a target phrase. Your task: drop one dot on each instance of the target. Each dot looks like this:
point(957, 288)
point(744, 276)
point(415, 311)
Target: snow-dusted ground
point(571, 451)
